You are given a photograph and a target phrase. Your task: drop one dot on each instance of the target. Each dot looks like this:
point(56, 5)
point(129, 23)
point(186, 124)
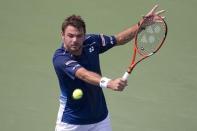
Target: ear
point(62, 35)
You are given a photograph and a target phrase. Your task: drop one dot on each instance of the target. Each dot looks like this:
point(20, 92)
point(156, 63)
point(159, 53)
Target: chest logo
point(91, 49)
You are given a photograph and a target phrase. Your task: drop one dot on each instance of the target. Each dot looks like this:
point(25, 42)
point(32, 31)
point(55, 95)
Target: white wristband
point(103, 82)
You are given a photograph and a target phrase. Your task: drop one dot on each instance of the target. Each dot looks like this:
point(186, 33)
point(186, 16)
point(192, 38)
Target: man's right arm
point(88, 76)
point(94, 79)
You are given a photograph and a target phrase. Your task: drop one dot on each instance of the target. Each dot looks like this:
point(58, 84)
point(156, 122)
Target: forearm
point(88, 76)
point(95, 79)
point(126, 35)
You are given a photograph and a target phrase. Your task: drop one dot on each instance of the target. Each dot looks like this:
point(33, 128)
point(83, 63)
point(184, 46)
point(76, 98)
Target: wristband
point(142, 28)
point(103, 82)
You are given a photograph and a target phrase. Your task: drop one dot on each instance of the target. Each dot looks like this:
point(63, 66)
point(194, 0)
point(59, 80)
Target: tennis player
point(77, 65)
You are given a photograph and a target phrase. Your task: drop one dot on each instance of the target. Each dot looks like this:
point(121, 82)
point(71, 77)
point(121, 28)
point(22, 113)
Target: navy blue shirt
point(91, 108)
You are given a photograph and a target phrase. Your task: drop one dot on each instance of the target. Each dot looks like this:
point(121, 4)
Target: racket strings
point(150, 38)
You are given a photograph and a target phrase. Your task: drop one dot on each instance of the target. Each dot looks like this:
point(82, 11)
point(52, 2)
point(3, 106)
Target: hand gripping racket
point(149, 38)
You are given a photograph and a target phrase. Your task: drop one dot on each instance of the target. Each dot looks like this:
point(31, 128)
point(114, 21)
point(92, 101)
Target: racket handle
point(125, 76)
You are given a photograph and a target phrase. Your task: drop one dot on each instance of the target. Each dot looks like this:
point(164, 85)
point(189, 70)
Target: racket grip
point(125, 76)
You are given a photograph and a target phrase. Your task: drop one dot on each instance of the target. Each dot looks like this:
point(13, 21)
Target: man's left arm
point(126, 35)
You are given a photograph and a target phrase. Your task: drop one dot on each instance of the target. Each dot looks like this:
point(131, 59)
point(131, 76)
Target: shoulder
point(100, 39)
point(92, 36)
point(92, 39)
point(59, 52)
point(60, 56)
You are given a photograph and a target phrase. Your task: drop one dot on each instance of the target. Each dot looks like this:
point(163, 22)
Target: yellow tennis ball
point(77, 94)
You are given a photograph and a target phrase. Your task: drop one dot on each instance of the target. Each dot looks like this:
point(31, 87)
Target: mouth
point(76, 50)
point(76, 47)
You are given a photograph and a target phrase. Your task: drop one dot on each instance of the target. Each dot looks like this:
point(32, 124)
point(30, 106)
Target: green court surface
point(162, 91)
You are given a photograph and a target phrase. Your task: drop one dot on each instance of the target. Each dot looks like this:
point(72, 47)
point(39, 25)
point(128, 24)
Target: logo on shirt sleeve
point(111, 40)
point(103, 40)
point(70, 62)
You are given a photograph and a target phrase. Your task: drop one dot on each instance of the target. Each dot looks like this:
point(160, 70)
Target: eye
point(70, 35)
point(79, 36)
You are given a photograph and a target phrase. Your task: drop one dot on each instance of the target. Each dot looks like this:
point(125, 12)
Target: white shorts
point(104, 125)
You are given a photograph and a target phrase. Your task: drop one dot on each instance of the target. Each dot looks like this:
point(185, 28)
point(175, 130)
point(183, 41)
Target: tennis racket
point(149, 38)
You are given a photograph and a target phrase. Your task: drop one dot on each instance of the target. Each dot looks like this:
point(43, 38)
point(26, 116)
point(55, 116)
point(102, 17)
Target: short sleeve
point(103, 42)
point(107, 42)
point(66, 65)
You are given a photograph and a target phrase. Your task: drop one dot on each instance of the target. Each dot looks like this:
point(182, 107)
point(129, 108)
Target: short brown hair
point(75, 21)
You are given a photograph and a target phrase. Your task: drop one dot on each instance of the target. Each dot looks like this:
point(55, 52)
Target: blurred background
point(162, 91)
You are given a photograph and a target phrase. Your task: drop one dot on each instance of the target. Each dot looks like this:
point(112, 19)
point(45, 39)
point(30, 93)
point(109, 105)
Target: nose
point(74, 39)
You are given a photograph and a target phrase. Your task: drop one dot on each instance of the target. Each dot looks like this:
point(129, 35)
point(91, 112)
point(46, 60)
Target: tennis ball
point(77, 94)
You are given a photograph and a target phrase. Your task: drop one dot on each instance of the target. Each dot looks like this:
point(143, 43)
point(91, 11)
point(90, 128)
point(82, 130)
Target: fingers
point(123, 83)
point(153, 11)
point(119, 84)
point(160, 12)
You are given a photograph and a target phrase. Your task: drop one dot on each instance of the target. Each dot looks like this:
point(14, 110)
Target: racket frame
point(136, 50)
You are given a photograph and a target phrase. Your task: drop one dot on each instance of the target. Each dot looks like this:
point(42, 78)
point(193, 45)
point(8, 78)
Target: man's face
point(73, 39)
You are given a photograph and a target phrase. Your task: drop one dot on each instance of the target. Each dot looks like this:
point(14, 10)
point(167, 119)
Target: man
point(77, 65)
